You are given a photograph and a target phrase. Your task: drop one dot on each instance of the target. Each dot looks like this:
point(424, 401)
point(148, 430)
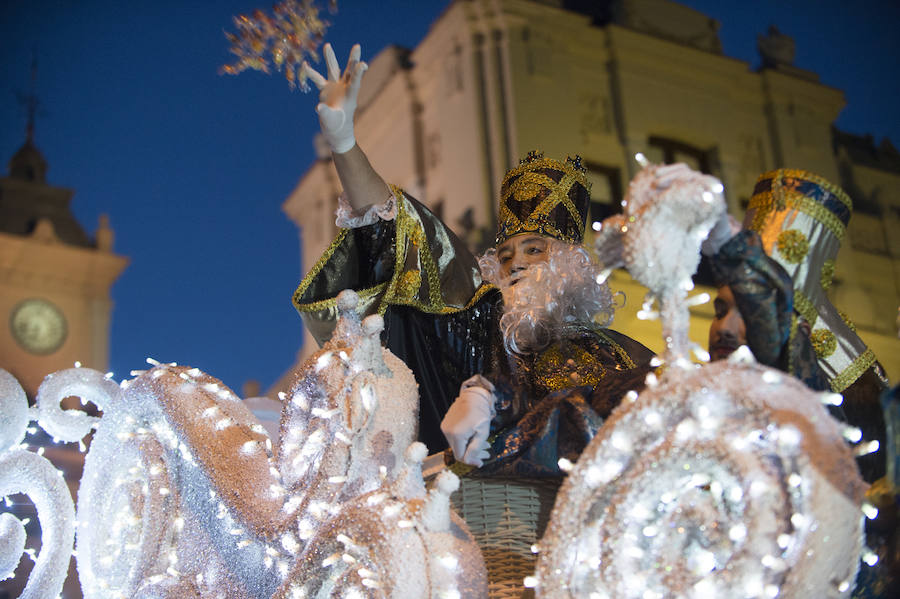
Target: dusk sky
point(192, 166)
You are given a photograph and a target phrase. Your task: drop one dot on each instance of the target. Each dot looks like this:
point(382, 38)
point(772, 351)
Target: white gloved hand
point(337, 97)
point(467, 423)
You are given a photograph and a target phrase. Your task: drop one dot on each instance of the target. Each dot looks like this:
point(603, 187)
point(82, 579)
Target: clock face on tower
point(38, 326)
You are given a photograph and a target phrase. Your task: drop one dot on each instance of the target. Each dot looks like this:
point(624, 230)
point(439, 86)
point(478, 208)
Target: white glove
point(467, 423)
point(337, 97)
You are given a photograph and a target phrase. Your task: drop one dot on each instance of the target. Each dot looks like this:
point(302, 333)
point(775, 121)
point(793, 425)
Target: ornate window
point(606, 191)
point(669, 151)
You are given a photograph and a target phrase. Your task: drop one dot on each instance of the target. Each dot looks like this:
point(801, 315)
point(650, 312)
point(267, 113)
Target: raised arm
point(337, 103)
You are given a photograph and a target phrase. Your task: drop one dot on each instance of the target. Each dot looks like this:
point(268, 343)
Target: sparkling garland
point(283, 39)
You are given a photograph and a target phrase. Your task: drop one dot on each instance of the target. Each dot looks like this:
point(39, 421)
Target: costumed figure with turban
point(774, 274)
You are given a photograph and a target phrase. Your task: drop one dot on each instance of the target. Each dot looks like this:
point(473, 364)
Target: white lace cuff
point(347, 218)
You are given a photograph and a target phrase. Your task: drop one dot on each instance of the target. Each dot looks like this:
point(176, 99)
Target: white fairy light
point(869, 510)
point(621, 441)
point(853, 434)
point(757, 488)
point(686, 429)
point(323, 361)
point(832, 399)
point(799, 520)
point(771, 377)
point(331, 560)
point(699, 299)
point(530, 582)
point(789, 436)
point(737, 533)
point(867, 448)
point(565, 465)
point(870, 557)
point(368, 398)
point(652, 418)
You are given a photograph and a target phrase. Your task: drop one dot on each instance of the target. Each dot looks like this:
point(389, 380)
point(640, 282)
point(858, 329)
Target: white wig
point(551, 298)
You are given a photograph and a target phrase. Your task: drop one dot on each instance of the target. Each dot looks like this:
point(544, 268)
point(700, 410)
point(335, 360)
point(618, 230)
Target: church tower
point(54, 278)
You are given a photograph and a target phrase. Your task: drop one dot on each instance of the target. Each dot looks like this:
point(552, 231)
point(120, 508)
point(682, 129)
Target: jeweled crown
point(545, 197)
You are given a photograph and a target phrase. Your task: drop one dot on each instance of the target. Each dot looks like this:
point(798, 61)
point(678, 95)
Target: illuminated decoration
point(728, 479)
point(185, 495)
point(282, 40)
point(25, 472)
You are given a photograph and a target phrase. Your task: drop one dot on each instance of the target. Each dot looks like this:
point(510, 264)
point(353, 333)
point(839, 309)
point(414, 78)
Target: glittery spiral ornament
point(723, 480)
point(14, 412)
point(731, 480)
point(177, 483)
point(86, 384)
point(27, 473)
point(283, 40)
point(24, 472)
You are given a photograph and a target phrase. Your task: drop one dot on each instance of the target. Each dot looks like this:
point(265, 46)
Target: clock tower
point(54, 278)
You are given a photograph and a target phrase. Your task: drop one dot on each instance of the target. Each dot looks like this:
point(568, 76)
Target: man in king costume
point(508, 346)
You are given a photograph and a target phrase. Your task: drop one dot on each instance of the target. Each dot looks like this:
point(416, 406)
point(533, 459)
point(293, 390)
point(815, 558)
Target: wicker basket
point(506, 516)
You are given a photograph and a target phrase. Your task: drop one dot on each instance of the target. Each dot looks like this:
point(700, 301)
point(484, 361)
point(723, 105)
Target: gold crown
point(545, 197)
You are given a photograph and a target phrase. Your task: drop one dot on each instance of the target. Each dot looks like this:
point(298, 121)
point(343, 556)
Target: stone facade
point(493, 80)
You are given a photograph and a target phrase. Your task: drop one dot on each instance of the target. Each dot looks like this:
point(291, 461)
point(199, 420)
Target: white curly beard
point(547, 299)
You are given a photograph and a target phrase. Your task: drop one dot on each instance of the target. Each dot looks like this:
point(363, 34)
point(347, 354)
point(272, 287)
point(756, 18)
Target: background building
point(493, 80)
point(54, 279)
